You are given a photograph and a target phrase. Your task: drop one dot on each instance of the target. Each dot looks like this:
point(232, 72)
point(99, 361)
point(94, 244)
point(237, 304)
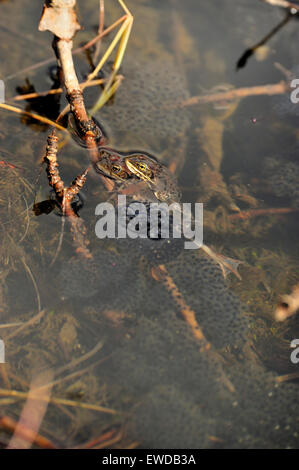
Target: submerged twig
point(287, 377)
point(251, 213)
point(43, 119)
point(161, 273)
point(83, 358)
point(26, 434)
point(275, 89)
point(249, 52)
point(26, 430)
point(30, 322)
point(55, 91)
point(29, 272)
point(59, 401)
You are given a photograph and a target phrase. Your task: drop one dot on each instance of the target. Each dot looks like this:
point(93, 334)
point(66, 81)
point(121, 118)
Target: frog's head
point(143, 166)
point(112, 165)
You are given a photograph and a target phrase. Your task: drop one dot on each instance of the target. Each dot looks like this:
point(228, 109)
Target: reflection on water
point(125, 366)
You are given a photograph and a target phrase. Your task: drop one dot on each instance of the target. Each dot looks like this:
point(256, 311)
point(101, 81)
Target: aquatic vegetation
point(282, 178)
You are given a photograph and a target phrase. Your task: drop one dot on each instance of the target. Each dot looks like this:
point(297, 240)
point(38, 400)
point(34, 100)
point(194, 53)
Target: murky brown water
point(125, 366)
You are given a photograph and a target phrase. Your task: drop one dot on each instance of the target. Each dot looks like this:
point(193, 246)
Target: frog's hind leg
point(227, 265)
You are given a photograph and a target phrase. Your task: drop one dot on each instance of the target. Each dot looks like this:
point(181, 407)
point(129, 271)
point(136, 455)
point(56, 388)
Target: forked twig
point(64, 196)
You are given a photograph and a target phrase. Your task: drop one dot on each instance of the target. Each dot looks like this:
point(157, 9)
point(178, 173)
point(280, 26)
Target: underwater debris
point(288, 305)
point(283, 104)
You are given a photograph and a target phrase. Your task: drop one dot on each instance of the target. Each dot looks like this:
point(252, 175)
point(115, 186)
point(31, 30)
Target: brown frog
point(149, 182)
point(111, 164)
point(145, 167)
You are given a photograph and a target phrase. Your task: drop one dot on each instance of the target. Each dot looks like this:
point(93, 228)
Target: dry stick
point(55, 91)
point(100, 29)
point(283, 4)
point(60, 18)
point(275, 89)
point(33, 116)
point(100, 36)
point(75, 51)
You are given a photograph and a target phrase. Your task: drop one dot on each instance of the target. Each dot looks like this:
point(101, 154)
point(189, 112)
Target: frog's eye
point(142, 166)
point(116, 168)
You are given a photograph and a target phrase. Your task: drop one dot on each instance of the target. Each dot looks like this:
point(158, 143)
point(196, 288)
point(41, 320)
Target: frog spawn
point(179, 391)
point(283, 178)
point(219, 312)
point(108, 276)
point(180, 400)
point(145, 106)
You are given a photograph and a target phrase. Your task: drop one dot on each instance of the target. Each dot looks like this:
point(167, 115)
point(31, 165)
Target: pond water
point(108, 338)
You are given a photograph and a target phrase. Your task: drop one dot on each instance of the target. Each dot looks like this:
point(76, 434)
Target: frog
point(147, 168)
point(111, 164)
point(142, 166)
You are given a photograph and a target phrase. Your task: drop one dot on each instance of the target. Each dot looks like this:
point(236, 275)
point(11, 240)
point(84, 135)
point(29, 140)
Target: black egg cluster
point(154, 247)
point(264, 413)
point(168, 419)
point(219, 311)
point(163, 348)
point(108, 275)
point(283, 178)
point(181, 398)
point(145, 105)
